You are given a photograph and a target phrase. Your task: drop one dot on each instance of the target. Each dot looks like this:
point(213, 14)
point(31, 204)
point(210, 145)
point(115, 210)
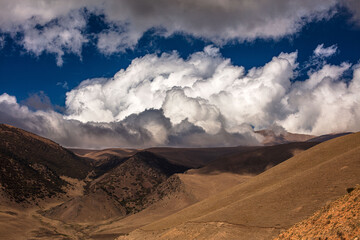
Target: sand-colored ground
point(337, 220)
point(226, 199)
point(271, 201)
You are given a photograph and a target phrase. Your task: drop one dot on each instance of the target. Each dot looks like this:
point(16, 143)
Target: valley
point(49, 192)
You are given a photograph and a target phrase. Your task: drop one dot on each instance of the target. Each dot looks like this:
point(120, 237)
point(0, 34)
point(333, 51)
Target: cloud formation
point(209, 92)
point(60, 26)
point(146, 129)
point(325, 52)
point(203, 100)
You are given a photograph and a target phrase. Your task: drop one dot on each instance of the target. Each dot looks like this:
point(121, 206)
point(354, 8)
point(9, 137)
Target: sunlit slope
point(338, 220)
point(275, 199)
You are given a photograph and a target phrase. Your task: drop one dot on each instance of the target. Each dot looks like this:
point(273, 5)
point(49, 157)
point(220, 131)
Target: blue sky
point(48, 51)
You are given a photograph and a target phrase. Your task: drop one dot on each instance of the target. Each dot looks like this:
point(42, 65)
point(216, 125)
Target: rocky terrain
point(337, 220)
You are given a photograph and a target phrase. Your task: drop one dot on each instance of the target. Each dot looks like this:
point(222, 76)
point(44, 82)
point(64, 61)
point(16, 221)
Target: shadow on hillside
point(255, 161)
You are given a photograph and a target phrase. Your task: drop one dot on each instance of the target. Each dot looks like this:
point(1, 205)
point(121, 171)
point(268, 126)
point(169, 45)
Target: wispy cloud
point(325, 52)
point(63, 85)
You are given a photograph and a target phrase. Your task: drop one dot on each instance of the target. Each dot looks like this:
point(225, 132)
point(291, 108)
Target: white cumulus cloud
point(203, 100)
point(207, 91)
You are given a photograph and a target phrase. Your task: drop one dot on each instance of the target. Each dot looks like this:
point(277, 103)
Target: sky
point(108, 73)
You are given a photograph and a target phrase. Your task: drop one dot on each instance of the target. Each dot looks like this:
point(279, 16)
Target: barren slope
point(34, 149)
point(269, 202)
point(337, 220)
point(127, 188)
point(31, 166)
point(183, 190)
point(179, 191)
point(103, 154)
point(255, 161)
point(196, 157)
point(272, 138)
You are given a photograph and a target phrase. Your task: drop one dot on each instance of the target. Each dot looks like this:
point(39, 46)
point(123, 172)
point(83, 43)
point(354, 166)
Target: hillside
point(31, 166)
point(144, 195)
point(271, 137)
point(282, 196)
point(337, 220)
point(196, 157)
point(128, 188)
point(183, 190)
point(35, 149)
point(255, 161)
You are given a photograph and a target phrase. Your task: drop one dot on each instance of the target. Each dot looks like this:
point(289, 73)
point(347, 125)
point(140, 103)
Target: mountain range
point(256, 192)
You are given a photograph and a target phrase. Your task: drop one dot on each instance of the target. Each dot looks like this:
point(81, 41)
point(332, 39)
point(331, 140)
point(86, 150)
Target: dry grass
point(337, 220)
point(277, 198)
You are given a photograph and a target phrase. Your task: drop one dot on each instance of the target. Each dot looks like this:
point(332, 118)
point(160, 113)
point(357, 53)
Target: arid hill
point(31, 166)
point(327, 137)
point(151, 194)
point(36, 149)
point(269, 202)
point(271, 137)
point(337, 220)
point(196, 157)
point(255, 161)
point(125, 189)
point(183, 190)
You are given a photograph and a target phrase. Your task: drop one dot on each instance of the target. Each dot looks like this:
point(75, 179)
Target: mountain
point(31, 166)
point(127, 188)
point(255, 161)
point(39, 150)
point(168, 193)
point(184, 189)
point(271, 137)
point(196, 157)
point(269, 202)
point(327, 137)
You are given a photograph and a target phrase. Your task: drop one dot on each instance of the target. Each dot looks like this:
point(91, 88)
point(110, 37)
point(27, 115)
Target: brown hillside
point(196, 157)
point(269, 202)
point(180, 191)
point(327, 137)
point(34, 149)
point(31, 166)
point(337, 220)
point(198, 184)
point(272, 138)
point(127, 188)
point(255, 161)
point(103, 154)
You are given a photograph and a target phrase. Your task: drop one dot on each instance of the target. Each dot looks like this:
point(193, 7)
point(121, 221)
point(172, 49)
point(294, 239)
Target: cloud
point(2, 42)
point(146, 129)
point(59, 37)
point(38, 101)
point(220, 20)
point(203, 100)
point(59, 27)
point(114, 41)
point(319, 57)
point(324, 103)
point(354, 7)
point(322, 52)
point(205, 89)
point(208, 92)
point(63, 85)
